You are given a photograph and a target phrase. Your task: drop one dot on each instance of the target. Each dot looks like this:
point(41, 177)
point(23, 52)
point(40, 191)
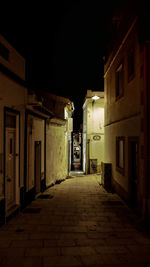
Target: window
point(11, 146)
point(10, 121)
point(119, 81)
point(120, 154)
point(130, 64)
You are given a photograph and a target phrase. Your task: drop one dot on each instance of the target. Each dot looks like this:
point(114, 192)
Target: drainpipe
point(88, 159)
point(146, 143)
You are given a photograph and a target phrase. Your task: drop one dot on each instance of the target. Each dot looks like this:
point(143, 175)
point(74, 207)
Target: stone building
point(127, 109)
point(93, 131)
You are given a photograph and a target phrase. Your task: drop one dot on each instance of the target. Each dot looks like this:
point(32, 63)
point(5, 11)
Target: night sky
point(63, 43)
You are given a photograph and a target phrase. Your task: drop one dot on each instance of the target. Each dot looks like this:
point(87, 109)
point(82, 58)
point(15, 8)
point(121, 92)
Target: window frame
point(119, 77)
point(118, 167)
point(131, 62)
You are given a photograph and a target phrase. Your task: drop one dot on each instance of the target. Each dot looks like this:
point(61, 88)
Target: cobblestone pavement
point(80, 224)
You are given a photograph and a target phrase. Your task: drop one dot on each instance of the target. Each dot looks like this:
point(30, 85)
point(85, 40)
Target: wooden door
point(10, 168)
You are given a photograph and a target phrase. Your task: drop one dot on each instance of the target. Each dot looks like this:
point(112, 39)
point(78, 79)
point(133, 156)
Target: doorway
point(76, 151)
point(12, 159)
point(10, 168)
point(133, 145)
point(37, 166)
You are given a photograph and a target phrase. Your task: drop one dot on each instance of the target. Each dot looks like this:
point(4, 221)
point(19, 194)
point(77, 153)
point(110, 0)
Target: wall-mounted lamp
point(95, 97)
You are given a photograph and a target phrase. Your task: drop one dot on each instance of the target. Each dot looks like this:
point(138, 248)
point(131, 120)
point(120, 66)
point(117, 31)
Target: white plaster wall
point(95, 117)
point(56, 153)
point(95, 126)
point(37, 135)
point(125, 128)
point(129, 104)
point(97, 149)
point(84, 151)
point(84, 137)
point(123, 116)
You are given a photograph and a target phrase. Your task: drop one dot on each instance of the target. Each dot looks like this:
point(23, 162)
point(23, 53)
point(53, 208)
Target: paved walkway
point(80, 224)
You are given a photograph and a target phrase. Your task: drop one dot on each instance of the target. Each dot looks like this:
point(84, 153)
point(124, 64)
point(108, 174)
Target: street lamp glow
point(95, 97)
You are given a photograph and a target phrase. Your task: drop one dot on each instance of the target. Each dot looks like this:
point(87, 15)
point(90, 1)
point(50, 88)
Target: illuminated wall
point(58, 139)
point(93, 130)
point(56, 152)
point(123, 114)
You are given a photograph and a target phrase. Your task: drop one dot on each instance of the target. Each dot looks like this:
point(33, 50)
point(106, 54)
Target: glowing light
point(95, 97)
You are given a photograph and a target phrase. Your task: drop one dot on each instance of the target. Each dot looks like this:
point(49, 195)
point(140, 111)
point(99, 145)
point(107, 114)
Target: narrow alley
point(74, 223)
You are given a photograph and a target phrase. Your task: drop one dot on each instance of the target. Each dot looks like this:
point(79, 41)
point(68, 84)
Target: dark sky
point(63, 43)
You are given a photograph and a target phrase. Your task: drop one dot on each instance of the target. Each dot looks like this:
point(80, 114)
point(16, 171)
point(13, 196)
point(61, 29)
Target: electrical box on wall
point(93, 165)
